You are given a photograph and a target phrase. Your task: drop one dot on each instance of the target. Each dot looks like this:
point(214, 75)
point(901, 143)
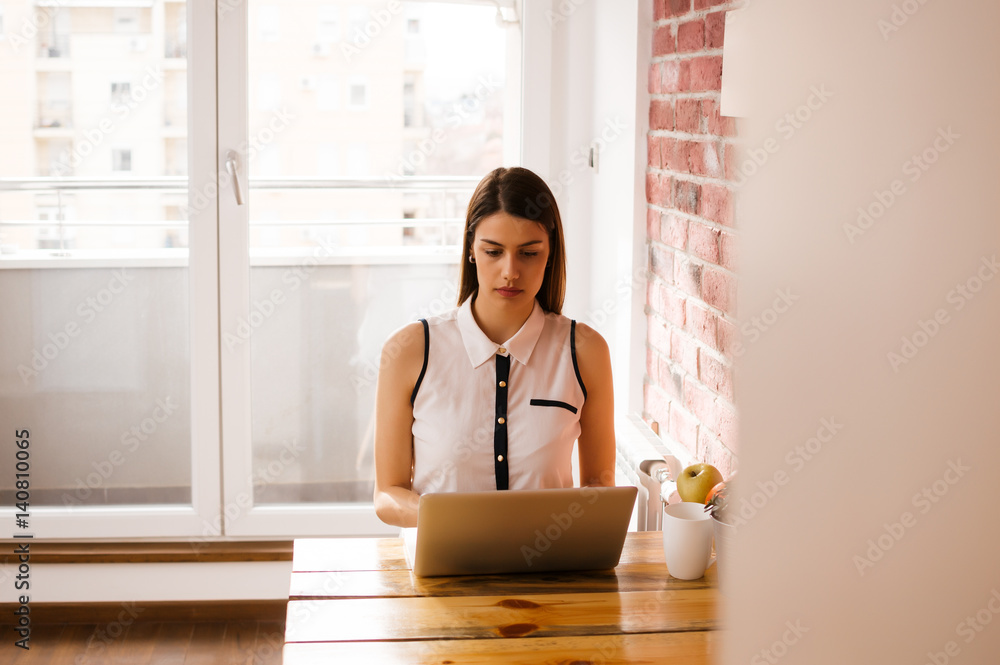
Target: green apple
point(696, 481)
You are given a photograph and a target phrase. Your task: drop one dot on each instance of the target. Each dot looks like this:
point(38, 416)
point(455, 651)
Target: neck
point(499, 325)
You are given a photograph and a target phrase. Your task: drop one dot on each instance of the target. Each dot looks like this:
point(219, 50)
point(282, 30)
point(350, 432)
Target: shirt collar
point(481, 348)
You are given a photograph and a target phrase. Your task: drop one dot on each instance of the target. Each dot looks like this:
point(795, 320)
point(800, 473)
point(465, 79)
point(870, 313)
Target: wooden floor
point(170, 643)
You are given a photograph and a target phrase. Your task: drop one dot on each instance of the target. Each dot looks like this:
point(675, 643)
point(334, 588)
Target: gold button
point(503, 384)
point(501, 420)
point(499, 458)
point(501, 350)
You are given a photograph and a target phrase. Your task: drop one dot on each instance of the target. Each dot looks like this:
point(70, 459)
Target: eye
point(530, 254)
point(493, 252)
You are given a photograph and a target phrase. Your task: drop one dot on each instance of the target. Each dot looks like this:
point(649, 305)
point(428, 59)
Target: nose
point(510, 268)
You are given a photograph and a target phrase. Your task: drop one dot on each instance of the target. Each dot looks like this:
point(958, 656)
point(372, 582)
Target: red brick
point(652, 294)
point(705, 74)
point(691, 36)
point(661, 261)
point(664, 42)
point(686, 195)
point(659, 11)
point(703, 241)
point(653, 151)
point(705, 4)
point(684, 429)
point(733, 164)
point(716, 204)
point(658, 190)
point(654, 78)
point(716, 375)
point(658, 336)
point(730, 341)
point(705, 158)
point(726, 426)
point(674, 230)
point(687, 277)
point(653, 224)
point(661, 114)
point(676, 76)
point(688, 116)
point(676, 7)
point(684, 352)
point(728, 251)
point(699, 402)
point(671, 306)
point(674, 155)
point(656, 405)
point(701, 323)
point(715, 28)
point(718, 289)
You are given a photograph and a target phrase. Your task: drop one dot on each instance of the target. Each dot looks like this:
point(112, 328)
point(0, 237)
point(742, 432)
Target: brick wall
point(691, 297)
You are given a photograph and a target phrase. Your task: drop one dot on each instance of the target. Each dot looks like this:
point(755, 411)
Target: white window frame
point(190, 522)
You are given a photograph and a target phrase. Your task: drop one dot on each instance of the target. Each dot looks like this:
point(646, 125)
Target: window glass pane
point(94, 358)
point(417, 90)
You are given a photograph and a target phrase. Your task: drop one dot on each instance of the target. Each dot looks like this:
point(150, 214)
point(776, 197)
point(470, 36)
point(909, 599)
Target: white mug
point(687, 540)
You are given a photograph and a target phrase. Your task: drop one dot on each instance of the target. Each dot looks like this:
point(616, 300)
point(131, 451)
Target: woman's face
point(511, 253)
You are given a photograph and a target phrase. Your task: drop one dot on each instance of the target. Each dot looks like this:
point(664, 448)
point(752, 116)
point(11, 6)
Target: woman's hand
point(596, 444)
point(399, 367)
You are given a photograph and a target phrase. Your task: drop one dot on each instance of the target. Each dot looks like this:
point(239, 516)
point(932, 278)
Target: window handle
point(232, 166)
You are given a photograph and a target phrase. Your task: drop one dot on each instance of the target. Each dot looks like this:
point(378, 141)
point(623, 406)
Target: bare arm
point(597, 418)
point(402, 358)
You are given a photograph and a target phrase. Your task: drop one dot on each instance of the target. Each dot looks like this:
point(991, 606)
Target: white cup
point(687, 540)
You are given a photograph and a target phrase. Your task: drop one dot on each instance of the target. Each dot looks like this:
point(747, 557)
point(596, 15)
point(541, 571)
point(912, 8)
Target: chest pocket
point(554, 403)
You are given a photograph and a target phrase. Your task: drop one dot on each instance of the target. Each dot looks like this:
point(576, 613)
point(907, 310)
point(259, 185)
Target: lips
point(508, 292)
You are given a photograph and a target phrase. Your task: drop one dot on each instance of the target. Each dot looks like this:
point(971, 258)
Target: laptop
point(519, 531)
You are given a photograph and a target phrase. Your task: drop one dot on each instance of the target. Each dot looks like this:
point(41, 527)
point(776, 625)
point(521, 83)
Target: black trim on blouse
point(427, 346)
point(500, 468)
point(576, 366)
point(553, 402)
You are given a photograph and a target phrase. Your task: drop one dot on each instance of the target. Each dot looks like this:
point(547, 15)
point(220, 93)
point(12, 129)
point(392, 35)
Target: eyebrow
point(524, 244)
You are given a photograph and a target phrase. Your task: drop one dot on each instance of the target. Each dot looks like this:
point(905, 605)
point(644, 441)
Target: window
point(193, 321)
point(120, 91)
point(121, 159)
point(358, 93)
point(328, 27)
point(413, 26)
point(359, 21)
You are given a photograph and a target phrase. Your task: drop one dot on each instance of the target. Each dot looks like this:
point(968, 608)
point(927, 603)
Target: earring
point(472, 259)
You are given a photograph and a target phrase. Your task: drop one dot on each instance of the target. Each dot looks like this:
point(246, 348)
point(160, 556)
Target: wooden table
point(354, 600)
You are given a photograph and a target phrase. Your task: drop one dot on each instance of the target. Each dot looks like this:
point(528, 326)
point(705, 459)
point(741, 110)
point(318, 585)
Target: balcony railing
point(53, 114)
point(54, 46)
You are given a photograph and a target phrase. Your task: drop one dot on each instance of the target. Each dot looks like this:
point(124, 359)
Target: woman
point(492, 395)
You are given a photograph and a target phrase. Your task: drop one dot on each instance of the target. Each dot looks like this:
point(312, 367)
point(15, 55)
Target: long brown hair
point(518, 192)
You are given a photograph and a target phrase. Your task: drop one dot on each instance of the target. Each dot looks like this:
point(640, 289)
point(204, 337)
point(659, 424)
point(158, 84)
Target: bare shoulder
point(403, 351)
point(592, 352)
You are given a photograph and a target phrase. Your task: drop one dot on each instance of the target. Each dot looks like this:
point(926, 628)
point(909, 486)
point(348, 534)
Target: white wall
point(846, 550)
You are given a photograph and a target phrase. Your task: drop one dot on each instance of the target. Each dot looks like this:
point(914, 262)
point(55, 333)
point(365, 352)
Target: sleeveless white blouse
point(490, 416)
